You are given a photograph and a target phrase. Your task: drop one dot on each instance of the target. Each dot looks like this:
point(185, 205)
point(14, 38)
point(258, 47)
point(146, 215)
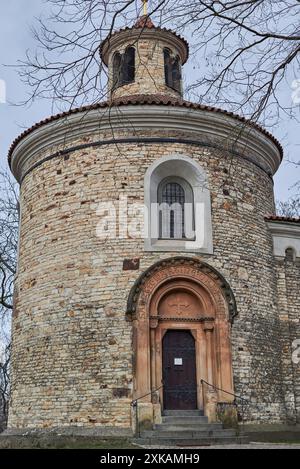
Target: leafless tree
point(9, 222)
point(290, 208)
point(245, 51)
point(4, 385)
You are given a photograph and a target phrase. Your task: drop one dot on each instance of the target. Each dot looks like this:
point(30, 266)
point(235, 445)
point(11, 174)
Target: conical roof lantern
point(144, 28)
point(144, 59)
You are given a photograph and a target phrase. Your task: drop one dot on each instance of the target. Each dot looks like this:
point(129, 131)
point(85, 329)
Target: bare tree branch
point(9, 230)
point(4, 385)
point(244, 50)
point(290, 208)
point(9, 223)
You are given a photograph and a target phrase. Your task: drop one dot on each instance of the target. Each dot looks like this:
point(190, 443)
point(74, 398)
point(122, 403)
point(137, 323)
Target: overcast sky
point(15, 38)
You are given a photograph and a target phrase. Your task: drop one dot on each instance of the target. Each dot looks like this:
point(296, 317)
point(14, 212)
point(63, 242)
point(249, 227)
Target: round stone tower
point(144, 258)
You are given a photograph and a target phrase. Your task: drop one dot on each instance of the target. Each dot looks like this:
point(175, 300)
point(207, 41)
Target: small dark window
point(290, 255)
point(117, 69)
point(128, 66)
point(124, 68)
point(168, 67)
point(172, 71)
point(176, 74)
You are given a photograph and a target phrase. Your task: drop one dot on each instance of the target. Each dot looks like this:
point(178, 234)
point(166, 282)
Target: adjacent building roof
point(161, 100)
point(282, 219)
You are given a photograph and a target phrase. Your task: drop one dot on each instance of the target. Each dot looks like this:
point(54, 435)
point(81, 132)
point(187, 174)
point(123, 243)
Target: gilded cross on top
point(145, 2)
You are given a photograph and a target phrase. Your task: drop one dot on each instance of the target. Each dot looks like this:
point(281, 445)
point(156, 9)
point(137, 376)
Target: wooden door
point(179, 370)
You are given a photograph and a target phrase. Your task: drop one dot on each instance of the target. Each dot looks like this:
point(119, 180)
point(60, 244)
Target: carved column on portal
point(143, 379)
point(155, 396)
point(210, 395)
point(201, 364)
point(153, 326)
point(208, 328)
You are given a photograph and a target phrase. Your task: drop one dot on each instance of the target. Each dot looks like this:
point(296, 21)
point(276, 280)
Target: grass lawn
point(28, 442)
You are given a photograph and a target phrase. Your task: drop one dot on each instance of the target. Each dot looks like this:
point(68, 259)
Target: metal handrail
point(226, 392)
point(134, 404)
point(243, 403)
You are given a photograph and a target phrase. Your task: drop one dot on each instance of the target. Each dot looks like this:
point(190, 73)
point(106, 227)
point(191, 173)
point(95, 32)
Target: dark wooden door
point(179, 370)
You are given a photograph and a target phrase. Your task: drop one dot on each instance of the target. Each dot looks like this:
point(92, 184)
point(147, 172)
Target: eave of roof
point(281, 219)
point(160, 100)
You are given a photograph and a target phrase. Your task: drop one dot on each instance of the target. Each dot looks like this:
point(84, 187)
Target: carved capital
point(153, 323)
point(208, 325)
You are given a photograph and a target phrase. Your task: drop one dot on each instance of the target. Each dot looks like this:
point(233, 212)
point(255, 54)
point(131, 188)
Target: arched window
point(290, 255)
point(176, 74)
point(168, 67)
point(124, 68)
point(172, 200)
point(117, 69)
point(175, 209)
point(172, 71)
point(128, 66)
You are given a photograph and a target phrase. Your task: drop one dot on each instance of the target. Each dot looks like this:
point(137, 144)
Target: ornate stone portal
point(184, 295)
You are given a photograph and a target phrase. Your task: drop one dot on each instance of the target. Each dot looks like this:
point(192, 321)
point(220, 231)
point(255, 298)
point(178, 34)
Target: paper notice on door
point(177, 361)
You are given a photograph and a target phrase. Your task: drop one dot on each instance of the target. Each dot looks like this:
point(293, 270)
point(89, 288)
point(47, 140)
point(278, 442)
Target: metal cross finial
point(145, 2)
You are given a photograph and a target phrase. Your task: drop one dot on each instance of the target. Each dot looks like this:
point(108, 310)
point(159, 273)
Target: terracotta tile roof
point(282, 219)
point(144, 22)
point(156, 99)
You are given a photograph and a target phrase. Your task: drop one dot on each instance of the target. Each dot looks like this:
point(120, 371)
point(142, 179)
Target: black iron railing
point(241, 408)
point(134, 404)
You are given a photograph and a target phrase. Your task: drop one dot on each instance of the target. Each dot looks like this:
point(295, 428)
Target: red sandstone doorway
point(179, 370)
point(185, 295)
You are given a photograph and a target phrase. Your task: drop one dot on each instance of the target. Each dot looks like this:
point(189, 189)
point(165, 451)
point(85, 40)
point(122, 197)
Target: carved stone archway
point(183, 294)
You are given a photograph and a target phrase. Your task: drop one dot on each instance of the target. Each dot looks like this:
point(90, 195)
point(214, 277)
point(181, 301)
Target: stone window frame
point(184, 167)
point(285, 235)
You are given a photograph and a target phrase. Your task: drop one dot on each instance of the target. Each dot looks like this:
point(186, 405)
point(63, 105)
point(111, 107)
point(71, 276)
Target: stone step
point(185, 420)
point(183, 442)
point(183, 413)
point(190, 435)
point(188, 427)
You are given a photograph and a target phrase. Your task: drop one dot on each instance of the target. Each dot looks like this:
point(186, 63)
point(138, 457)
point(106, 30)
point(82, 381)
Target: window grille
point(172, 211)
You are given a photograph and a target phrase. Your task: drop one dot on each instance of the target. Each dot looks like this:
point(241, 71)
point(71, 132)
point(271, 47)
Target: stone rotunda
point(150, 257)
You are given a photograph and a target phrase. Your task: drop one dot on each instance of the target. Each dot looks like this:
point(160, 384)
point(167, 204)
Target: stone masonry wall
point(288, 275)
point(72, 346)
